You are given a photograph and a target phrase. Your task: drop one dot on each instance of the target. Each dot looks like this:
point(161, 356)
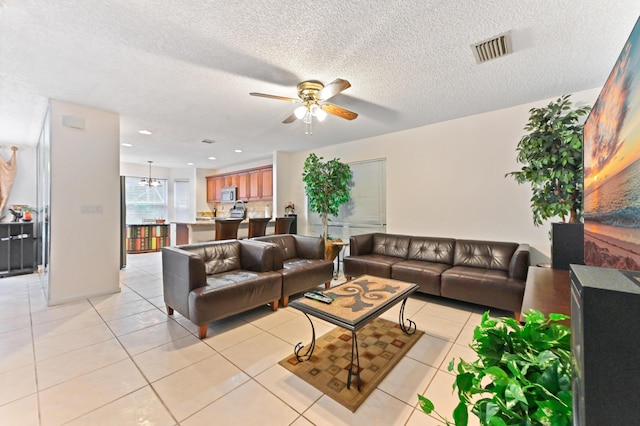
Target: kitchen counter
point(204, 230)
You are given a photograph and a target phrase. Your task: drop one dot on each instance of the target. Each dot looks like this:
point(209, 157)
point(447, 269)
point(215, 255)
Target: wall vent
point(493, 48)
point(209, 141)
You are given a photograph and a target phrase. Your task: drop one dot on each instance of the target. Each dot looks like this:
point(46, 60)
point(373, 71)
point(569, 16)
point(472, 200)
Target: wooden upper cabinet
point(243, 186)
point(253, 184)
point(267, 183)
point(219, 184)
point(255, 190)
point(211, 189)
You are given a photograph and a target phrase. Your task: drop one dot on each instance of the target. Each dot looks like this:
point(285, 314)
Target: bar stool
point(283, 225)
point(227, 229)
point(258, 226)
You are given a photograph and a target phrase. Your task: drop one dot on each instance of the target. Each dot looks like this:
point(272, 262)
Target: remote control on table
point(316, 295)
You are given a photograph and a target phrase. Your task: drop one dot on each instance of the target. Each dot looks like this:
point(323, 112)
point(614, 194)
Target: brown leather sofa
point(213, 280)
point(300, 260)
point(487, 273)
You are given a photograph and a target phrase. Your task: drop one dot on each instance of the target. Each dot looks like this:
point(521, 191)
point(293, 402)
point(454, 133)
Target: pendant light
point(149, 181)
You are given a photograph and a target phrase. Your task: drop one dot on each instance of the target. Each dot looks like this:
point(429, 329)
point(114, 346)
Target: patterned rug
point(381, 344)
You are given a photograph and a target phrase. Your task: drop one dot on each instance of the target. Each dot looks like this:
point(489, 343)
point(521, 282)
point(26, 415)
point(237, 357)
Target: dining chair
point(283, 225)
point(258, 226)
point(227, 229)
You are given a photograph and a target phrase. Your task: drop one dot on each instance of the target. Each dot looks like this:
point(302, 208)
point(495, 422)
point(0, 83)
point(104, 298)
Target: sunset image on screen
point(612, 166)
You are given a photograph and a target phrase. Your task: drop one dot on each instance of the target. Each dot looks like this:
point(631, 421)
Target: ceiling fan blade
point(333, 88)
point(290, 119)
point(280, 98)
point(340, 112)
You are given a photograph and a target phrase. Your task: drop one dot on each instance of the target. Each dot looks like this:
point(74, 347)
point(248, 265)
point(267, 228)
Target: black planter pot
point(567, 245)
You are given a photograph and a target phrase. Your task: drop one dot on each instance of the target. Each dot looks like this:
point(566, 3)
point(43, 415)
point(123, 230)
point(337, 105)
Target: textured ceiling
point(184, 69)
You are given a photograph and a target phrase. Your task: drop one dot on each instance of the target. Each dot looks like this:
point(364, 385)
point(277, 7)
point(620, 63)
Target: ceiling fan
point(313, 94)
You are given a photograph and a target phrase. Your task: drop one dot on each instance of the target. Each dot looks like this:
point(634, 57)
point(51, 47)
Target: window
point(181, 201)
point(145, 202)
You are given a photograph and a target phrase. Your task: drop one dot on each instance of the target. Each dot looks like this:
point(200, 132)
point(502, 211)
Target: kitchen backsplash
point(254, 209)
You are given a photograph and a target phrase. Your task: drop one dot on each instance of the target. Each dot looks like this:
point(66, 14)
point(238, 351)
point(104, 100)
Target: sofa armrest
point(519, 264)
point(182, 271)
point(256, 256)
point(309, 247)
point(360, 244)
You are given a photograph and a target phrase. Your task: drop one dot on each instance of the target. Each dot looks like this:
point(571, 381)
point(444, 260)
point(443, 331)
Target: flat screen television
point(612, 166)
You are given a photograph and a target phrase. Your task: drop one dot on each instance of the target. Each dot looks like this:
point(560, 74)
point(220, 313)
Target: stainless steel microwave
point(228, 195)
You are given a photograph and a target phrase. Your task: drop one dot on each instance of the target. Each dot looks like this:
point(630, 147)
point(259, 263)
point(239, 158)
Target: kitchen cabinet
point(243, 186)
point(211, 190)
point(266, 176)
point(253, 184)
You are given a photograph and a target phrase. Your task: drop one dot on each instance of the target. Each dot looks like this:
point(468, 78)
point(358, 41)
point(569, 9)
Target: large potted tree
point(551, 154)
point(326, 184)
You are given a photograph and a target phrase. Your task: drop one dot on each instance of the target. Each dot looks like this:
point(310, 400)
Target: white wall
point(447, 179)
point(84, 258)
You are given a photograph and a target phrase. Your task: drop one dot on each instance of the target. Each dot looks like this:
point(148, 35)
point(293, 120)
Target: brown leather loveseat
point(300, 260)
point(487, 273)
point(213, 280)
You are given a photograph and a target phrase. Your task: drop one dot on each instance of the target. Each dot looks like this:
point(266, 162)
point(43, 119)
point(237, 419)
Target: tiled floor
point(120, 360)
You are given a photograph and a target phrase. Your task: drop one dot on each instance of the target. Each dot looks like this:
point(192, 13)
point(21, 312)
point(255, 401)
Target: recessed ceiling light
point(212, 158)
point(126, 144)
point(237, 150)
point(144, 132)
point(189, 164)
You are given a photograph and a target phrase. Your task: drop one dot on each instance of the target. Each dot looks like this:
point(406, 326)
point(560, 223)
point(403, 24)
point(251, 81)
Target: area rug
point(381, 344)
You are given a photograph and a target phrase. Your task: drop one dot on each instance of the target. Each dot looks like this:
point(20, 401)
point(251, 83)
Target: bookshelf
point(147, 238)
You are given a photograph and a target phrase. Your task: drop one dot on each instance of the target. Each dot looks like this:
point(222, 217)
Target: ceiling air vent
point(492, 48)
point(209, 141)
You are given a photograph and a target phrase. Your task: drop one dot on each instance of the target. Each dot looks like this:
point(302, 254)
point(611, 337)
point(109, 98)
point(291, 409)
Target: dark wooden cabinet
point(17, 248)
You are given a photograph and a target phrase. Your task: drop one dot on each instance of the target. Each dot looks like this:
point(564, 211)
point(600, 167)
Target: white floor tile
point(297, 393)
point(151, 337)
point(407, 379)
point(61, 368)
point(171, 357)
point(229, 332)
point(236, 409)
point(191, 389)
point(15, 357)
point(17, 384)
point(430, 350)
point(142, 407)
point(379, 409)
point(88, 392)
point(23, 412)
point(137, 322)
point(257, 354)
point(47, 347)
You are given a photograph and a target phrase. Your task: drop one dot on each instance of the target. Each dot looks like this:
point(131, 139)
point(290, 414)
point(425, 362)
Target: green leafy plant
point(326, 186)
point(522, 375)
point(552, 158)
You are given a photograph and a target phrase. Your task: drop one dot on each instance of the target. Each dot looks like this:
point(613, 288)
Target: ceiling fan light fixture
point(320, 114)
point(300, 112)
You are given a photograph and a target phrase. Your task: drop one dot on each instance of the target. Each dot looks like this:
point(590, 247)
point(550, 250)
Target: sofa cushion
point(425, 274)
point(229, 293)
point(219, 257)
point(484, 254)
point(427, 249)
point(300, 275)
point(286, 242)
point(391, 245)
point(489, 287)
point(370, 264)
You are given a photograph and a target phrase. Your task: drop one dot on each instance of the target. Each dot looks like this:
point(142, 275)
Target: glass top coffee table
point(355, 303)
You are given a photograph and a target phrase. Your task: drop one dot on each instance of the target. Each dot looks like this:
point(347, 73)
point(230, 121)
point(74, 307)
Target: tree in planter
point(522, 375)
point(327, 187)
point(552, 158)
